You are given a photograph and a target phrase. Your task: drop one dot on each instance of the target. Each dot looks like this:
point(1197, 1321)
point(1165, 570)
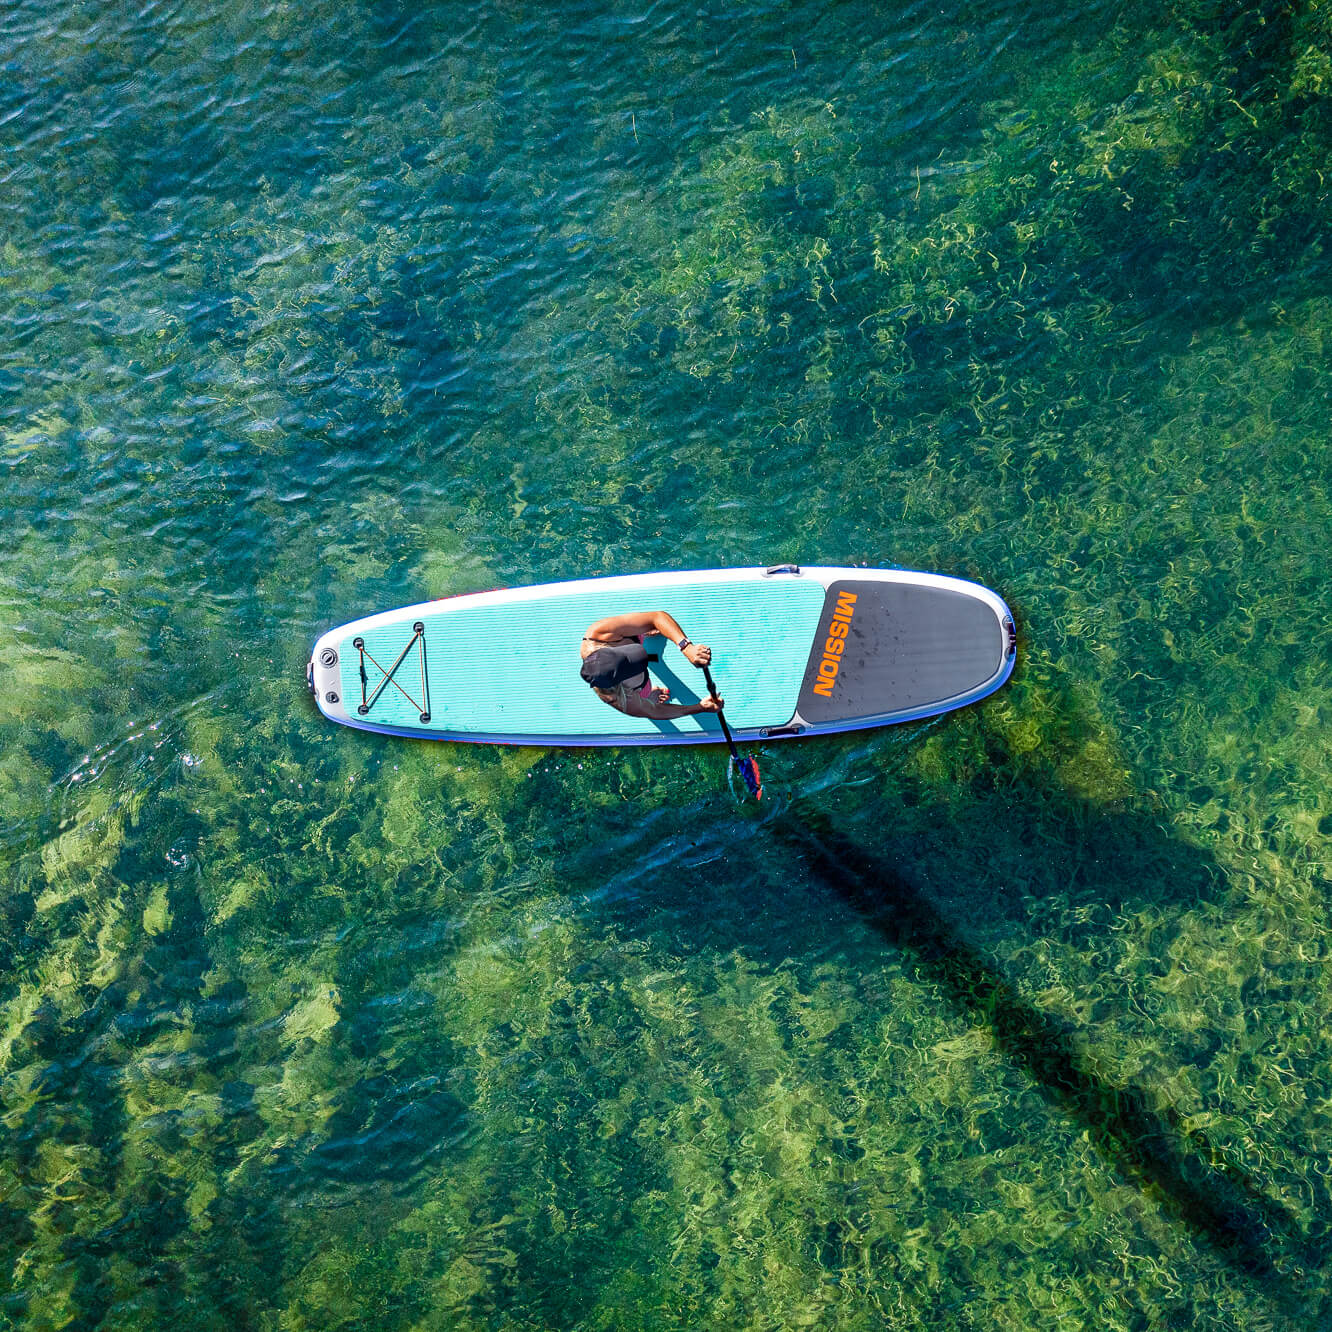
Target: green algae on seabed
point(1017, 1018)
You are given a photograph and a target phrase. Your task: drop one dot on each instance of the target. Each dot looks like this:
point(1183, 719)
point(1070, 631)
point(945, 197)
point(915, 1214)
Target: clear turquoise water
point(1015, 1019)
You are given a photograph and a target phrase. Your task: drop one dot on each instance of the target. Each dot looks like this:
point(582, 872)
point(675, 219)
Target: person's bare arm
point(635, 706)
point(615, 627)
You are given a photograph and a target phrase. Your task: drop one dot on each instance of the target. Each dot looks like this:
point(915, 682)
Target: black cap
point(609, 666)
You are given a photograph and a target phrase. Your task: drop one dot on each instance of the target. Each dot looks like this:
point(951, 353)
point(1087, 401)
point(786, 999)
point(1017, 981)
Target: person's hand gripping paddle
point(747, 767)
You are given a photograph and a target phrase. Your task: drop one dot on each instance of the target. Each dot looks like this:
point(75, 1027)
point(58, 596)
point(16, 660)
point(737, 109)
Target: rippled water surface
point(1016, 1019)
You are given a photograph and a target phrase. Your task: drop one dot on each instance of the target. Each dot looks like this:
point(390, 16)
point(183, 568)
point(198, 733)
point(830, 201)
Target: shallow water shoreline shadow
point(1250, 1231)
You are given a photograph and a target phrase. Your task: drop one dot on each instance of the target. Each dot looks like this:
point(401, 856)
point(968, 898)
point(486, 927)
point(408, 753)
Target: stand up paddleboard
point(798, 652)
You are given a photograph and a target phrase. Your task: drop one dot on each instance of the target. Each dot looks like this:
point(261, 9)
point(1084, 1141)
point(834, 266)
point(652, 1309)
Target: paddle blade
point(749, 771)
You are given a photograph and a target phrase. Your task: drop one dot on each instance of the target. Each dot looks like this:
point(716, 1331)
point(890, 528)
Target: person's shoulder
point(630, 702)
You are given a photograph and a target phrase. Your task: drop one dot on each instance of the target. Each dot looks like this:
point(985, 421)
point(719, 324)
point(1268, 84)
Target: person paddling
point(615, 664)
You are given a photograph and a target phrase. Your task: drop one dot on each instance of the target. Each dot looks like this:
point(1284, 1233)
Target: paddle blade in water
point(749, 771)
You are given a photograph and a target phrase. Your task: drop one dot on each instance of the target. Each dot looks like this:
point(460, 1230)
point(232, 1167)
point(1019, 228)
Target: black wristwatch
point(683, 643)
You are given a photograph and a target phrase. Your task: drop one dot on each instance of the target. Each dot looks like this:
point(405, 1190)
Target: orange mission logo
point(835, 644)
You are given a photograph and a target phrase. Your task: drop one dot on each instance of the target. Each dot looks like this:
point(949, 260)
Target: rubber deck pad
point(907, 647)
point(512, 669)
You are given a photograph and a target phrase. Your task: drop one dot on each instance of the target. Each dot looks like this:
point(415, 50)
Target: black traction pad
point(908, 647)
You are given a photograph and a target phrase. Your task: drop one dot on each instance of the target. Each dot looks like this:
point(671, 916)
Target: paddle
point(748, 766)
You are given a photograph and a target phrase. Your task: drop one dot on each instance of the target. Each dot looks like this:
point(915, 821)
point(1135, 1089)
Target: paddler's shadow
point(683, 690)
point(889, 887)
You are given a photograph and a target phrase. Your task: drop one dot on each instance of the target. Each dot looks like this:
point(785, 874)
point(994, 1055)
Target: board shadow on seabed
point(936, 904)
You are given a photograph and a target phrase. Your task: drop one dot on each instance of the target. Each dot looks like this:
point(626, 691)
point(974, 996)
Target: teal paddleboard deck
point(795, 652)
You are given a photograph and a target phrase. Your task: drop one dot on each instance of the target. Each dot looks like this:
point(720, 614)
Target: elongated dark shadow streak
point(1251, 1232)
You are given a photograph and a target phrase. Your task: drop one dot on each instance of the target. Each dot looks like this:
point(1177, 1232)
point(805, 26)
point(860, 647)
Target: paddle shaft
point(721, 717)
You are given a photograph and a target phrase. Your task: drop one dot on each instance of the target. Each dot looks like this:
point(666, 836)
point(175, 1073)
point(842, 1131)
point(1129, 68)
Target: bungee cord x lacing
point(417, 640)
